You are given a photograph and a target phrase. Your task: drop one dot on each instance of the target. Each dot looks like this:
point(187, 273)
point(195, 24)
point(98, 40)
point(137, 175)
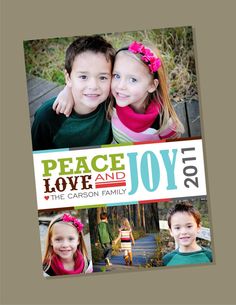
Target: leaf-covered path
point(143, 249)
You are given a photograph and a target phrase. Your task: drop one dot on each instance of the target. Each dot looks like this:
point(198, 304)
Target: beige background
point(214, 33)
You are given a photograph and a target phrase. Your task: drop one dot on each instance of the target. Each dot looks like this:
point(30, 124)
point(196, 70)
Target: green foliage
point(97, 253)
point(45, 57)
point(58, 76)
point(103, 269)
point(199, 203)
point(165, 243)
point(115, 248)
point(138, 233)
point(156, 259)
point(205, 221)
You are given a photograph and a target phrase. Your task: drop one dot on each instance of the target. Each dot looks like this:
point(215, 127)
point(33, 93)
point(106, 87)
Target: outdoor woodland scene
point(150, 231)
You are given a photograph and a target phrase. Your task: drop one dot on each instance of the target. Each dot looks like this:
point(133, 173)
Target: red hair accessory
point(154, 63)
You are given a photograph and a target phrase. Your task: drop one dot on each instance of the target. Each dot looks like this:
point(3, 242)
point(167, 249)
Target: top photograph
point(116, 88)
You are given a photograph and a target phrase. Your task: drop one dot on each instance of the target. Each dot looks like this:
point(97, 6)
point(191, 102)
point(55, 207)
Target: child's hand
point(64, 102)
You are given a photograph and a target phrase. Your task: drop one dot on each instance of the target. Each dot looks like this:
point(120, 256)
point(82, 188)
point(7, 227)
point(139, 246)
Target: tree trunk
point(143, 217)
point(135, 215)
point(92, 215)
point(138, 216)
point(155, 215)
point(129, 212)
point(99, 211)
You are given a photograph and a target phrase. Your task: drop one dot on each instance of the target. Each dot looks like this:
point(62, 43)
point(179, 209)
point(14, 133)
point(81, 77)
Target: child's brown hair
point(184, 207)
point(103, 215)
point(93, 43)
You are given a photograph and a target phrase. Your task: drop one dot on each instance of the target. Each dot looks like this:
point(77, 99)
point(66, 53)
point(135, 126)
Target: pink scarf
point(138, 122)
point(59, 269)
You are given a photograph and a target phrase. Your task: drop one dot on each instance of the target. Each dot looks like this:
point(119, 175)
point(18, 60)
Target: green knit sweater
point(104, 233)
point(51, 131)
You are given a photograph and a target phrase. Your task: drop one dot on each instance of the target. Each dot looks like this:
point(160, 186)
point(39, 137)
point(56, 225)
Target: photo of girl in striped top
point(126, 237)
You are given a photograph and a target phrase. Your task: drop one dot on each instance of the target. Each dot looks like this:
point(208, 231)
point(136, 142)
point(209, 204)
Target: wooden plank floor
point(40, 90)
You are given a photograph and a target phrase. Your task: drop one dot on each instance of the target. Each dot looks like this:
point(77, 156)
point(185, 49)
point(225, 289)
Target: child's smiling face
point(89, 80)
point(131, 82)
point(184, 229)
point(64, 240)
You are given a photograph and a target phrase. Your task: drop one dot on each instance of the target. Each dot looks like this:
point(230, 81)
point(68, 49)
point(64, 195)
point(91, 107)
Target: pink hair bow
point(154, 62)
point(68, 218)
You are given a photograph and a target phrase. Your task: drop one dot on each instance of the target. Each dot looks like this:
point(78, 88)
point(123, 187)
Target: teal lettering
point(133, 172)
point(170, 167)
point(155, 171)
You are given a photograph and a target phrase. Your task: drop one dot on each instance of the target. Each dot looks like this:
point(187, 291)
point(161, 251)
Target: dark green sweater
point(104, 233)
point(175, 257)
point(51, 131)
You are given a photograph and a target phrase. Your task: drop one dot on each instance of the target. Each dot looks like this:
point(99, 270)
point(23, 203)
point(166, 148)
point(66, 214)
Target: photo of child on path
point(133, 230)
point(65, 249)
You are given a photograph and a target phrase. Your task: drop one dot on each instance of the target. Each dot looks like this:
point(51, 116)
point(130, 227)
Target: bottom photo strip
point(125, 238)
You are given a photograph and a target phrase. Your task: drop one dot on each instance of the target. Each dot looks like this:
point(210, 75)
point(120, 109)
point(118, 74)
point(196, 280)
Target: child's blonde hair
point(47, 258)
point(160, 95)
point(125, 223)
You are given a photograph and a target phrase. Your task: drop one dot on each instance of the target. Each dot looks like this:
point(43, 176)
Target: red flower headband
point(154, 63)
point(68, 218)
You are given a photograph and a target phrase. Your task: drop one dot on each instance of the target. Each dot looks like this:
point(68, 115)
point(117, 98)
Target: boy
point(184, 225)
point(105, 237)
point(88, 66)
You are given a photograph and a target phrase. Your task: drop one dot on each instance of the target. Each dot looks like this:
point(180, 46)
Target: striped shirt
point(122, 133)
point(125, 239)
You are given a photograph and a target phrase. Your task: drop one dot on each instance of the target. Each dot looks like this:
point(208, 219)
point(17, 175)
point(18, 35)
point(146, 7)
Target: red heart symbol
point(46, 197)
